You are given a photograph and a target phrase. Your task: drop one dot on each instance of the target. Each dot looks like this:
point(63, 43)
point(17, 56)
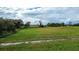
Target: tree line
point(10, 25)
point(55, 24)
point(61, 24)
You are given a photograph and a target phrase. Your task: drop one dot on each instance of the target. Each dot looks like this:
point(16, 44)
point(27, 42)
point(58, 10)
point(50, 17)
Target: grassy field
point(66, 45)
point(70, 33)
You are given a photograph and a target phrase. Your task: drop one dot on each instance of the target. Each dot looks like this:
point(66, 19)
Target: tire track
point(28, 42)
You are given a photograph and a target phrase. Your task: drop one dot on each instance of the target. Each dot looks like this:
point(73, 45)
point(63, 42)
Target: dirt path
point(27, 42)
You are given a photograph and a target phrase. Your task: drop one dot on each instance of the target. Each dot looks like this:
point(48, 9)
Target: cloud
point(45, 14)
point(57, 14)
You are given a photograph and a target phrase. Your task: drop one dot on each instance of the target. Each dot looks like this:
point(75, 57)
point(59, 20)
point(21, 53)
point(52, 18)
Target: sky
point(36, 10)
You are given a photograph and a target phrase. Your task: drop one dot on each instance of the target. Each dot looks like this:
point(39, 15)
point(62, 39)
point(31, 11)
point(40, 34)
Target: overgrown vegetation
point(9, 25)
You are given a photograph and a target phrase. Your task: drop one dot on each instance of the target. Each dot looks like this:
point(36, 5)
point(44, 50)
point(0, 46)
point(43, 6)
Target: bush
point(10, 25)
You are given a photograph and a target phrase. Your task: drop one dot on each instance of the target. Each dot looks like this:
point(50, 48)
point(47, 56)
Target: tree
point(27, 24)
point(9, 25)
point(18, 23)
point(77, 24)
point(55, 24)
point(40, 24)
point(1, 31)
point(1, 25)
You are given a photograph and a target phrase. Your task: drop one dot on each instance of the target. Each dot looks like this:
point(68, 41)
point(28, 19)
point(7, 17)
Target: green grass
point(39, 33)
point(66, 45)
point(70, 33)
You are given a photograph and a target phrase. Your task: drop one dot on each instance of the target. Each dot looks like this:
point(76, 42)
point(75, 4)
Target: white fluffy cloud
point(45, 14)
